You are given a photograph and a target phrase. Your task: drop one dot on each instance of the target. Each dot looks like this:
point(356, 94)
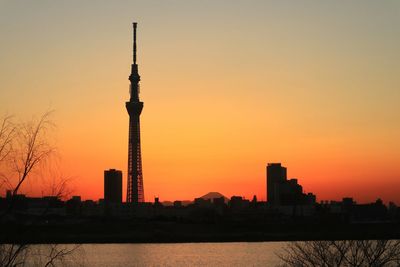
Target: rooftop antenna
point(134, 42)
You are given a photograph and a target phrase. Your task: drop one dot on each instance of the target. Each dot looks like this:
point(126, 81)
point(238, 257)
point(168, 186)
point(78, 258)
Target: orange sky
point(227, 87)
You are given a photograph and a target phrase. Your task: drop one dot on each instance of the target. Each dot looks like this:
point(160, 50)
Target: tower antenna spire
point(134, 42)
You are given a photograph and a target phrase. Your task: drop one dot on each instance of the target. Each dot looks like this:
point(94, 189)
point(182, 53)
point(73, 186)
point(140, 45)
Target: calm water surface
point(186, 254)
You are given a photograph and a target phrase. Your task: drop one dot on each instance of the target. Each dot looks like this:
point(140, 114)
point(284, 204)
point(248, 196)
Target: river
point(182, 254)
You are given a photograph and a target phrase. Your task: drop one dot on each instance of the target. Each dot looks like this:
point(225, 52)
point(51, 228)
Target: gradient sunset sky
point(227, 86)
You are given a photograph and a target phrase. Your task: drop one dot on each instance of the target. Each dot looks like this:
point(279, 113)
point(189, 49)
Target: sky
point(227, 86)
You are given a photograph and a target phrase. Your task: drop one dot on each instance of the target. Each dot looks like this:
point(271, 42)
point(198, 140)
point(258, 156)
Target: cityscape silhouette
point(269, 128)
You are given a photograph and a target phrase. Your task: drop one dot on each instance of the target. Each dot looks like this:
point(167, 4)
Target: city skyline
point(225, 93)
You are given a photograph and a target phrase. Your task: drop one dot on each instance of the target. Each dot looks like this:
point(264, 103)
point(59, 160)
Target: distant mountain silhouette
point(212, 195)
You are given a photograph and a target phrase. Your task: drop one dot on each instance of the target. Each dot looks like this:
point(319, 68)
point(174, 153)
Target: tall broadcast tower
point(135, 192)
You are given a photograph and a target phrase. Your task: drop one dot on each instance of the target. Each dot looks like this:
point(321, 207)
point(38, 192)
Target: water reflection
point(186, 254)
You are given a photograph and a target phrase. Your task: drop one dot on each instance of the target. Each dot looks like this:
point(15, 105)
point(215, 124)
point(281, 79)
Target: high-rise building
point(113, 186)
point(281, 191)
point(276, 175)
point(135, 191)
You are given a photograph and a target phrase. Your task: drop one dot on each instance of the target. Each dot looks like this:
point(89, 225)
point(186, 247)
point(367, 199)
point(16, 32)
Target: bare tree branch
point(7, 130)
point(24, 148)
point(348, 253)
point(59, 254)
point(34, 147)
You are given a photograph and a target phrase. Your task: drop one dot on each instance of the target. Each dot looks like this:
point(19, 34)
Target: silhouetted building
point(311, 198)
point(135, 191)
point(238, 203)
point(253, 202)
point(281, 191)
point(73, 205)
point(157, 202)
point(76, 198)
point(177, 203)
point(113, 186)
point(219, 201)
point(201, 202)
point(276, 175)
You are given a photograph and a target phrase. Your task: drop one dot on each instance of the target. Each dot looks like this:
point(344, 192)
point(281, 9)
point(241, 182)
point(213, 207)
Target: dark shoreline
point(167, 232)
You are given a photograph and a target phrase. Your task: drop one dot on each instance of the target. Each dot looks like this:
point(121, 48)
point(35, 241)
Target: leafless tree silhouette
point(347, 253)
point(7, 134)
point(26, 147)
point(24, 150)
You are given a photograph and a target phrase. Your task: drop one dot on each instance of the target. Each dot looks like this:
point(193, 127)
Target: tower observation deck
point(135, 191)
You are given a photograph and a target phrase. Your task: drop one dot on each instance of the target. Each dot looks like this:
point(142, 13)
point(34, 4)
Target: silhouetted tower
point(135, 192)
